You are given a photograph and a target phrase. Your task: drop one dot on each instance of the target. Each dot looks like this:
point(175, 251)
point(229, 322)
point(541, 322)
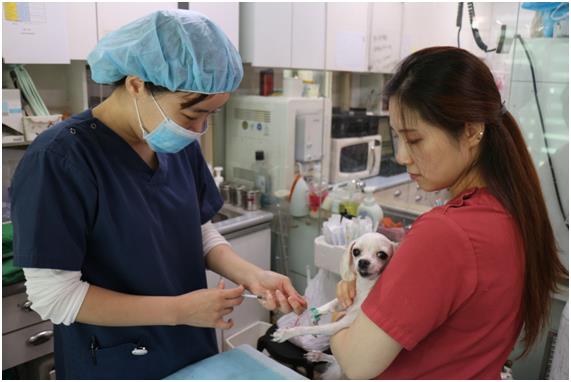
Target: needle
point(247, 295)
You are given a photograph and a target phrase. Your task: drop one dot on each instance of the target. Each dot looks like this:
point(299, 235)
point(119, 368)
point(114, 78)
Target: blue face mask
point(168, 136)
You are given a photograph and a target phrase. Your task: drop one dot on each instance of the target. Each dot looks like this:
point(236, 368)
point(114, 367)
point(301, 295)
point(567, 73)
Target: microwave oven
point(355, 157)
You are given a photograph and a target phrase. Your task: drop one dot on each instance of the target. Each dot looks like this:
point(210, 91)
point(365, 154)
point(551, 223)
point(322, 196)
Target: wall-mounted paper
point(34, 33)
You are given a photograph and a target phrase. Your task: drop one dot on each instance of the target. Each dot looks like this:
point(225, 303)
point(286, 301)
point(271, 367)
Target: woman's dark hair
point(449, 87)
point(156, 89)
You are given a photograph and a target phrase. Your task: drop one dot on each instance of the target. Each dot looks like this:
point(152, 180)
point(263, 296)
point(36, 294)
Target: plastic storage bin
point(328, 256)
point(247, 336)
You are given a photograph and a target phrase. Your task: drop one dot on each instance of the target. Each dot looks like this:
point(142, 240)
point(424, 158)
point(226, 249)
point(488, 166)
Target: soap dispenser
point(218, 179)
point(369, 207)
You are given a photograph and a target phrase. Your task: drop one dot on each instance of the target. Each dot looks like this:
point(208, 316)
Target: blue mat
point(242, 362)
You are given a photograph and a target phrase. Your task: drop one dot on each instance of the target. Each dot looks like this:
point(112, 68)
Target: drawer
point(17, 349)
point(15, 316)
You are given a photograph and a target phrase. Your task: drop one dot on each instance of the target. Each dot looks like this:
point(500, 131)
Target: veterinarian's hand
point(278, 292)
point(346, 292)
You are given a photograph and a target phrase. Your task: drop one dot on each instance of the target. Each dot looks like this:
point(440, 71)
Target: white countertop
point(383, 182)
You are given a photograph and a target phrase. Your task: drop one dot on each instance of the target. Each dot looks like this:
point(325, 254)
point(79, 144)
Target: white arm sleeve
point(55, 295)
point(211, 238)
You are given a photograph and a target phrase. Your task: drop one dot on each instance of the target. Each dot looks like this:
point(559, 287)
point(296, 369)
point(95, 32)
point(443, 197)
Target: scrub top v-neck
point(83, 200)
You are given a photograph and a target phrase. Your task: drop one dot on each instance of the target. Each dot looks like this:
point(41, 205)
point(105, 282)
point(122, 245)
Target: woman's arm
point(364, 350)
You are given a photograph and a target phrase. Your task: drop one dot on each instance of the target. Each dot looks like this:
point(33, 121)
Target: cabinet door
point(347, 36)
point(82, 26)
point(385, 36)
point(434, 24)
point(225, 15)
point(265, 34)
point(308, 36)
point(112, 16)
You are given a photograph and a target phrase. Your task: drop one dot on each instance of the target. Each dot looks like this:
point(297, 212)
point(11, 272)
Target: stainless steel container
point(233, 195)
point(242, 197)
point(254, 200)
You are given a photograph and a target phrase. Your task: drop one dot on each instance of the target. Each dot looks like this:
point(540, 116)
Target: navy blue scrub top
point(83, 200)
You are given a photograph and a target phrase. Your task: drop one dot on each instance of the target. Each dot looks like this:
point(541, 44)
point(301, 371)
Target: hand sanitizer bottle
point(218, 179)
point(369, 207)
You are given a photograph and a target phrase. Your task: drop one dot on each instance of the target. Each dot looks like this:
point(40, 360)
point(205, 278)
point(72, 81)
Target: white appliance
point(287, 129)
point(356, 157)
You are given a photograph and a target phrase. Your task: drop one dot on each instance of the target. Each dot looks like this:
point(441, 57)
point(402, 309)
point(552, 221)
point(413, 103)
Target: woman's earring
point(481, 134)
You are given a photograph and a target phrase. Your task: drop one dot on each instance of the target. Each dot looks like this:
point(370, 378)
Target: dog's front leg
point(283, 334)
point(330, 307)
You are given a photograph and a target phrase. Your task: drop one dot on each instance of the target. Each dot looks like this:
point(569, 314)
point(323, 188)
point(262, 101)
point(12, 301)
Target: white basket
point(35, 125)
point(247, 336)
point(328, 256)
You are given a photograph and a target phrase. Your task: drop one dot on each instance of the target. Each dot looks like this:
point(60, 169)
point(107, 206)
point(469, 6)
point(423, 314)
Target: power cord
point(520, 39)
point(459, 20)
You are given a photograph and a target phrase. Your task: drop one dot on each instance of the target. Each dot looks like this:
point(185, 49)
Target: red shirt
point(451, 295)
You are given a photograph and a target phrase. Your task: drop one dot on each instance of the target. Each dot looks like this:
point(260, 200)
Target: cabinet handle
point(397, 193)
point(40, 338)
point(418, 198)
point(26, 306)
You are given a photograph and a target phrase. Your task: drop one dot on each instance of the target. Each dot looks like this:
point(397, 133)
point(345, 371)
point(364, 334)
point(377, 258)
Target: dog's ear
point(395, 246)
point(347, 273)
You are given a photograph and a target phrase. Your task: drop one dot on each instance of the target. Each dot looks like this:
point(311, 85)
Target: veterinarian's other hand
point(278, 292)
point(346, 292)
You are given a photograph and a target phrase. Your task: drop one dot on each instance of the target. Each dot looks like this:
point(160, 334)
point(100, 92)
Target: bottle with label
point(262, 179)
point(369, 207)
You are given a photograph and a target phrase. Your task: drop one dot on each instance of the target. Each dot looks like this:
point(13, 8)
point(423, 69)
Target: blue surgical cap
point(180, 50)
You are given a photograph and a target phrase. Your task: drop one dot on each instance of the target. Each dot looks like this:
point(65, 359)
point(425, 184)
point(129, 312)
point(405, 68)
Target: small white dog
point(366, 257)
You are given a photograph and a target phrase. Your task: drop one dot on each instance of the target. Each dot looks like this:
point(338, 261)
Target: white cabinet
point(385, 37)
point(434, 24)
point(225, 15)
point(347, 36)
point(308, 36)
point(358, 37)
point(363, 37)
point(265, 34)
point(111, 16)
point(283, 35)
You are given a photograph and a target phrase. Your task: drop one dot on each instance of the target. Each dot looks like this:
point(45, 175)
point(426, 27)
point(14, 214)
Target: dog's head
point(367, 256)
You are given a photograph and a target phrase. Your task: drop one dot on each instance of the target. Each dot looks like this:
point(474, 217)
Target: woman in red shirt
point(470, 274)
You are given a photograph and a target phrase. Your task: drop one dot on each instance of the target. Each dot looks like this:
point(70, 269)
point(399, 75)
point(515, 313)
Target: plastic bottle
point(369, 207)
point(262, 179)
point(218, 178)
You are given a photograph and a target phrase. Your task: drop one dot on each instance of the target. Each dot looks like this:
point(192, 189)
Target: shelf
point(17, 144)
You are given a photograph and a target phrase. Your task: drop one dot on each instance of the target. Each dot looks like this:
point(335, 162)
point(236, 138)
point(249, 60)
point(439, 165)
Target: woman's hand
point(207, 307)
point(346, 292)
point(277, 291)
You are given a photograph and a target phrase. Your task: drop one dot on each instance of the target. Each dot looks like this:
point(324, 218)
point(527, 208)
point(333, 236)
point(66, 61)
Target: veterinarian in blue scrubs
point(111, 206)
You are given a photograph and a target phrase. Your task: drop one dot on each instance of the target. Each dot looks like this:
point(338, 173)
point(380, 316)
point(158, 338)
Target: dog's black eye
point(382, 255)
point(356, 252)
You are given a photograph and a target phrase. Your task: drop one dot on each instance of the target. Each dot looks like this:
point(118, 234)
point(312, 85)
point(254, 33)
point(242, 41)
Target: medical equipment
point(29, 91)
point(255, 123)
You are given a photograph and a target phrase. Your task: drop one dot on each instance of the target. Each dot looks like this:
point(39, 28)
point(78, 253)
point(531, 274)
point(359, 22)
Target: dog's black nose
point(364, 264)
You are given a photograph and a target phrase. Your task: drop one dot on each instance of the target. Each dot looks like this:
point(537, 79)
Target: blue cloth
point(83, 200)
point(178, 49)
point(242, 362)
